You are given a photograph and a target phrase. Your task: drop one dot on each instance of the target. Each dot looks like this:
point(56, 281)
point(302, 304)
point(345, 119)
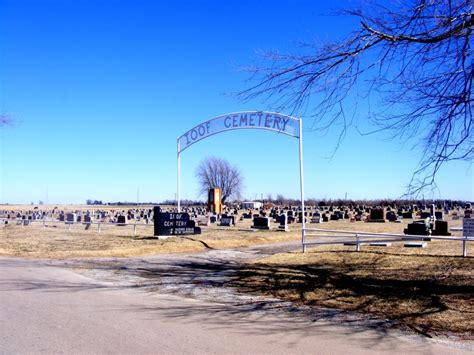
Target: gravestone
point(203, 221)
point(416, 228)
point(283, 219)
point(391, 216)
point(415, 245)
point(261, 223)
point(467, 213)
point(377, 215)
point(227, 221)
point(380, 244)
point(121, 221)
point(316, 218)
point(300, 217)
point(441, 228)
point(425, 215)
point(70, 218)
point(173, 224)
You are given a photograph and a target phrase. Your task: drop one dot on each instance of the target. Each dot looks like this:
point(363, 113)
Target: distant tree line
point(284, 201)
point(93, 202)
point(281, 200)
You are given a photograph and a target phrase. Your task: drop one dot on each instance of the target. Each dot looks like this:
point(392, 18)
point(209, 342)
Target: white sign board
point(468, 227)
point(241, 120)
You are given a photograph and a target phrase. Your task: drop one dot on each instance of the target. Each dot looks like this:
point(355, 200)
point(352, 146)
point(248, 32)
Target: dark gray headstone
point(261, 223)
point(121, 221)
point(416, 228)
point(70, 218)
point(283, 220)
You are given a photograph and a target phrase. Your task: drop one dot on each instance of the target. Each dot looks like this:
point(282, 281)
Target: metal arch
point(224, 117)
point(299, 135)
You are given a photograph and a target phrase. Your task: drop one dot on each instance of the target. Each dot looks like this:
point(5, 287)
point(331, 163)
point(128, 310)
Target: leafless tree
point(216, 172)
point(411, 61)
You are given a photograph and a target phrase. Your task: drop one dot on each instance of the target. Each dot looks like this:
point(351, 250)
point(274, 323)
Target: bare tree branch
point(414, 61)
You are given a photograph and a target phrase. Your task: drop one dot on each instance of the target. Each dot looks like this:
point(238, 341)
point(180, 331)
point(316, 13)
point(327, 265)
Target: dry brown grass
point(419, 289)
point(56, 241)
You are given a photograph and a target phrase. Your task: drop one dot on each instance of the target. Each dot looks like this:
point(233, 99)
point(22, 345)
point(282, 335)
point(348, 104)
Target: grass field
point(418, 289)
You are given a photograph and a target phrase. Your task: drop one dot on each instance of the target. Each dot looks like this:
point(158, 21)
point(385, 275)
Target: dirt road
point(53, 309)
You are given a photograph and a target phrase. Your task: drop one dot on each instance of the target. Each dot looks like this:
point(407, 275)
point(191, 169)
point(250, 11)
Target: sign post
point(467, 231)
point(178, 197)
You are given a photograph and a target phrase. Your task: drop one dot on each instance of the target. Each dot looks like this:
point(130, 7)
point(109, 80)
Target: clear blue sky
point(101, 89)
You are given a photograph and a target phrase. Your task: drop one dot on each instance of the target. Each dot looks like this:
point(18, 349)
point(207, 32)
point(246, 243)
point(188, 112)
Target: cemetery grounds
point(426, 290)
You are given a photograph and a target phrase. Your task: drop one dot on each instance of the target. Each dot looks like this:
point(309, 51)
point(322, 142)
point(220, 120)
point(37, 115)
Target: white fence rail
point(360, 238)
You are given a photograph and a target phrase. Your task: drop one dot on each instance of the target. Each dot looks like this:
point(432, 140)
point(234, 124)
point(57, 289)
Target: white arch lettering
point(240, 120)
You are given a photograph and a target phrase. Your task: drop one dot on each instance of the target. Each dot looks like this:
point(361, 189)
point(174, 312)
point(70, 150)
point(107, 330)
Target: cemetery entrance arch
point(269, 121)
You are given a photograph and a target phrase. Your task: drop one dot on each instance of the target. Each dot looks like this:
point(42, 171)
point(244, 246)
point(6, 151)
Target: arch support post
point(303, 218)
point(178, 180)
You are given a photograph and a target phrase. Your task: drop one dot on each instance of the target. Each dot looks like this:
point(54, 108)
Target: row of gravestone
point(376, 214)
point(404, 211)
point(353, 207)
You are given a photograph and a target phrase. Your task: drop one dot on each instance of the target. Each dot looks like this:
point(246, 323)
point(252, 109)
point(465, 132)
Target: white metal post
point(302, 186)
point(178, 197)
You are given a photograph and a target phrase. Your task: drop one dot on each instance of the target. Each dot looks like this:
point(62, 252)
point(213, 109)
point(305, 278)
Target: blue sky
point(100, 90)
